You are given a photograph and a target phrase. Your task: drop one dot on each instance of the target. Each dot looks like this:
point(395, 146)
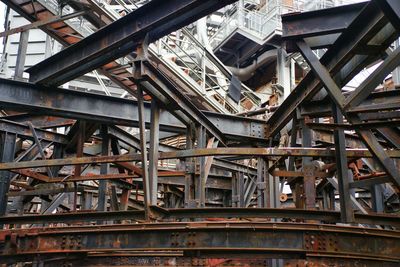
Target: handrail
point(263, 22)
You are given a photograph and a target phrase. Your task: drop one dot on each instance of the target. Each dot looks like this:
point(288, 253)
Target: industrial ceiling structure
point(200, 133)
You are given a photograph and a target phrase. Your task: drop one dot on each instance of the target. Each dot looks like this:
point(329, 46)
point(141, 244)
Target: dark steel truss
point(191, 183)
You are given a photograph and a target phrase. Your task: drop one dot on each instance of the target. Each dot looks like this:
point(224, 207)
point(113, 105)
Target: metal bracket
point(256, 130)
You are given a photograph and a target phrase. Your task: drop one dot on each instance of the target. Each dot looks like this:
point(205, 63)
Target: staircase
point(251, 26)
point(179, 52)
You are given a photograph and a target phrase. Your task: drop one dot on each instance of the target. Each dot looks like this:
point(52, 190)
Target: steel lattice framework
point(195, 186)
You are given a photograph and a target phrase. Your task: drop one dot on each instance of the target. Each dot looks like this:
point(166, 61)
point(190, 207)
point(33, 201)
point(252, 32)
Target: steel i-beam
point(155, 19)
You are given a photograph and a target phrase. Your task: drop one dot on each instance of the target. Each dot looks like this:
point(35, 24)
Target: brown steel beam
point(249, 152)
point(206, 238)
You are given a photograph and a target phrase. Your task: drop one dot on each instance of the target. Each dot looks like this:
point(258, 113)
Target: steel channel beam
point(153, 152)
point(231, 238)
point(391, 8)
point(373, 80)
point(41, 23)
point(346, 126)
point(376, 101)
point(24, 131)
point(7, 153)
point(246, 152)
point(40, 121)
point(167, 214)
point(25, 97)
point(318, 23)
point(346, 211)
point(143, 149)
point(336, 94)
point(21, 55)
point(335, 58)
point(104, 169)
point(367, 183)
point(131, 140)
point(175, 99)
point(154, 20)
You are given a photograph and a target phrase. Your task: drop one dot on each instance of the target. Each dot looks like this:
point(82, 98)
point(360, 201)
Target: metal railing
point(183, 56)
point(263, 21)
point(79, 24)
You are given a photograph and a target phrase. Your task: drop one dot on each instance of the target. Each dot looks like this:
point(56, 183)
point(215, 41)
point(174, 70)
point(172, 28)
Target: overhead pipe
point(246, 73)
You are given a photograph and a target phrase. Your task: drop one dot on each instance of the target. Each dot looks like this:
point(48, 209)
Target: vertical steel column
point(79, 145)
point(206, 170)
point(126, 192)
point(201, 143)
point(260, 182)
point(87, 200)
point(104, 168)
point(114, 199)
point(7, 155)
point(346, 211)
point(189, 167)
point(153, 151)
point(308, 169)
point(241, 190)
point(293, 140)
point(272, 188)
point(21, 55)
point(145, 170)
point(283, 72)
point(377, 198)
point(235, 198)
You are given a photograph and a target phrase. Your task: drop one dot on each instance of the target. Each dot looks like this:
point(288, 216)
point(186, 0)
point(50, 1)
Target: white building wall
point(36, 50)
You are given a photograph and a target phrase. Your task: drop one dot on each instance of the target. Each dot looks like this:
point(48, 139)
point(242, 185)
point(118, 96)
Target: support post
point(189, 167)
point(283, 72)
point(79, 145)
point(260, 182)
point(21, 55)
point(153, 151)
point(241, 189)
point(377, 198)
point(308, 169)
point(104, 169)
point(145, 171)
point(346, 211)
point(201, 143)
point(7, 155)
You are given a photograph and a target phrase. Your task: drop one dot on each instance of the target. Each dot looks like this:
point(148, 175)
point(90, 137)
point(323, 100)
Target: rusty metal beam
point(203, 213)
point(41, 23)
point(24, 131)
point(154, 20)
point(25, 97)
point(207, 238)
point(318, 24)
point(231, 151)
